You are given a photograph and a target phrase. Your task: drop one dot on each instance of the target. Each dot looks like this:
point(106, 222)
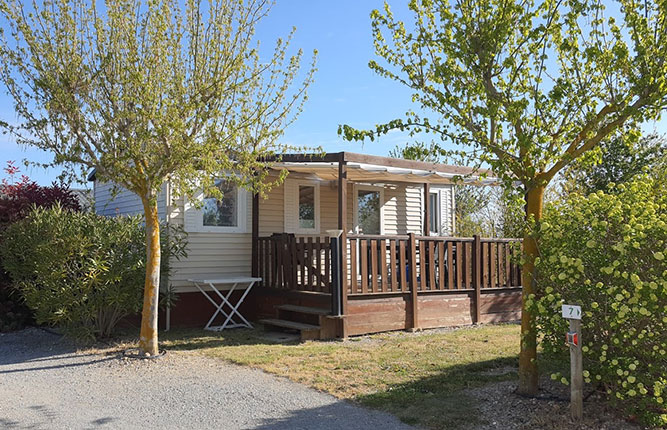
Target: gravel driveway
point(44, 383)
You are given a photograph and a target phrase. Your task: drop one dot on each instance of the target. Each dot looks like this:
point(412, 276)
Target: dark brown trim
point(308, 158)
point(412, 241)
point(342, 196)
point(255, 235)
point(427, 207)
point(477, 276)
point(342, 225)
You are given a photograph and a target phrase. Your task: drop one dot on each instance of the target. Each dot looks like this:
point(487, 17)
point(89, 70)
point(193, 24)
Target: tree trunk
point(148, 336)
point(528, 355)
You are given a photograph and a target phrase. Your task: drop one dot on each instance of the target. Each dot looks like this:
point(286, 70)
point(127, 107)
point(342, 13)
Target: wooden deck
point(393, 282)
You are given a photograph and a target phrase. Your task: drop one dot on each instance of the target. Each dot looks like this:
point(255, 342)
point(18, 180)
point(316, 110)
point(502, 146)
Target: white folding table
point(229, 285)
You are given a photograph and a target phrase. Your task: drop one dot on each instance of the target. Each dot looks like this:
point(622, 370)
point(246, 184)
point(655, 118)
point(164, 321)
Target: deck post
point(414, 298)
point(427, 209)
point(336, 289)
point(477, 276)
point(342, 225)
point(255, 236)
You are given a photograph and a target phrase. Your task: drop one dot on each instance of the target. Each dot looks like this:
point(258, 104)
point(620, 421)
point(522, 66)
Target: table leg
point(218, 306)
point(235, 308)
point(225, 301)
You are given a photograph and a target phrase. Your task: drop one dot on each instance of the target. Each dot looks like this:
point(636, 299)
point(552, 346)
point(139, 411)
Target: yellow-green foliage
point(81, 271)
point(606, 252)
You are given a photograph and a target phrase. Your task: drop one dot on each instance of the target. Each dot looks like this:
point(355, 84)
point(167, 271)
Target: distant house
point(400, 268)
point(85, 198)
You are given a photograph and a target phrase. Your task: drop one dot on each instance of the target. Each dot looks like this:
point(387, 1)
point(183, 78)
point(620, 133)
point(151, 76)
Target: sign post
point(573, 314)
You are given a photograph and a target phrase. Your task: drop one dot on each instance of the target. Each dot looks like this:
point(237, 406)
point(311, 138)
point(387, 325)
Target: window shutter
point(291, 206)
point(192, 216)
point(446, 210)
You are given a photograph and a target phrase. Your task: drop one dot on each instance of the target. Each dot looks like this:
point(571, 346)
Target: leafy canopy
point(618, 161)
point(527, 86)
point(149, 91)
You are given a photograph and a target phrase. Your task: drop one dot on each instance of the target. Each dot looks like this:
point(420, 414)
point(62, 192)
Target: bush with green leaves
point(81, 271)
point(606, 252)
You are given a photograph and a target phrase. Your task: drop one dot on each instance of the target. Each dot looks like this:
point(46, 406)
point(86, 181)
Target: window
point(306, 206)
point(434, 212)
point(226, 215)
point(302, 211)
point(368, 210)
point(222, 213)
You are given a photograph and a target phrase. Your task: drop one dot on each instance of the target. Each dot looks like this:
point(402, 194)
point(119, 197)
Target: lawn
point(419, 377)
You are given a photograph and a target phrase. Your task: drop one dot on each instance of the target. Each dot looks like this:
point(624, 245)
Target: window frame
point(291, 212)
point(363, 187)
point(197, 225)
point(435, 210)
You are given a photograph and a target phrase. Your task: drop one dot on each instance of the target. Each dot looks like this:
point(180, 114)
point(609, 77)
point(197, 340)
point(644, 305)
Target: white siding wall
point(402, 209)
point(212, 254)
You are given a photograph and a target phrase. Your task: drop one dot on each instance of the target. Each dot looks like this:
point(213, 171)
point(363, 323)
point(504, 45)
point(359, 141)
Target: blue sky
point(345, 90)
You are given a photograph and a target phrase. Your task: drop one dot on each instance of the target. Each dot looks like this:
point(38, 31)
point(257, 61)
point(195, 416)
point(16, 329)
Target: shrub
point(14, 314)
point(17, 198)
point(606, 252)
point(80, 271)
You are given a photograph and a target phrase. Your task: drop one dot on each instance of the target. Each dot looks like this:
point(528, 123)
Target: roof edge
point(367, 159)
point(383, 161)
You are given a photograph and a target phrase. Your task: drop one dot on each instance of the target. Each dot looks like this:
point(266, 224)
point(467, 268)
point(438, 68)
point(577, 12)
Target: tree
point(527, 87)
point(151, 92)
point(471, 202)
point(620, 159)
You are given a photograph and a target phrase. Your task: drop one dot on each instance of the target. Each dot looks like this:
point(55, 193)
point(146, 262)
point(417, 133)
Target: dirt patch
point(501, 408)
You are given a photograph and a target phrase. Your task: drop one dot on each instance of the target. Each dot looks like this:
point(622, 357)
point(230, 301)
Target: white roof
point(360, 172)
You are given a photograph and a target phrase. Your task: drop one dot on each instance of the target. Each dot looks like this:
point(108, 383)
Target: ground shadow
point(338, 415)
point(441, 400)
point(194, 339)
point(35, 349)
point(32, 344)
point(438, 402)
point(44, 419)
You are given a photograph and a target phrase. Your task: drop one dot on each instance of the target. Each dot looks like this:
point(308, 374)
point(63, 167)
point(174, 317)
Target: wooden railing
point(378, 264)
point(390, 264)
point(301, 264)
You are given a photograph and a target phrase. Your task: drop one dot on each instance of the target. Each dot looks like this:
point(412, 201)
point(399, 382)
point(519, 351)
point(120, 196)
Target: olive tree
point(149, 92)
point(526, 86)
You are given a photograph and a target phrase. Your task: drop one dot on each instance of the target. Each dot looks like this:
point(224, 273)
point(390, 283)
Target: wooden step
point(304, 309)
point(308, 331)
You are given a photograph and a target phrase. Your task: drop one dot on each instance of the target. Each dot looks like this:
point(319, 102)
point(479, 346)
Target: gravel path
point(44, 383)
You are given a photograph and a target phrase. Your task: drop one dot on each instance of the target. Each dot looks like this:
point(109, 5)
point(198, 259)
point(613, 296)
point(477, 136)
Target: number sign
point(572, 312)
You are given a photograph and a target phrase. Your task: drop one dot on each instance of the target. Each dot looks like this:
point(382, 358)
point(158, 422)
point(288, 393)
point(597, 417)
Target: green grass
point(418, 377)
